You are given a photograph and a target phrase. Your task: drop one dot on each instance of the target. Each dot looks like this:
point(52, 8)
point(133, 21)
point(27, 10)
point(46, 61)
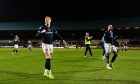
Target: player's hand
point(91, 37)
point(109, 44)
point(43, 31)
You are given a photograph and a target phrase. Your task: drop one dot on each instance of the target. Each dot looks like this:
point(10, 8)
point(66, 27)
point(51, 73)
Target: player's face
point(110, 27)
point(87, 34)
point(16, 36)
point(47, 20)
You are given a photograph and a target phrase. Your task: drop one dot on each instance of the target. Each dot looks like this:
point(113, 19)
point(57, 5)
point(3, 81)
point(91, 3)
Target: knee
point(107, 55)
point(48, 56)
point(115, 54)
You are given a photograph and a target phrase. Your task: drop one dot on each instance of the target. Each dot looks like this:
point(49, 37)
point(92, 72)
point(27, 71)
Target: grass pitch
point(68, 67)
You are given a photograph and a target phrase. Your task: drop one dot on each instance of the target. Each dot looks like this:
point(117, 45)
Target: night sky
point(68, 10)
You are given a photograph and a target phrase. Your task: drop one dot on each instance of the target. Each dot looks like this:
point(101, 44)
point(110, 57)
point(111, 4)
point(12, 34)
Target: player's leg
point(47, 56)
point(17, 49)
point(122, 48)
point(86, 51)
point(89, 50)
point(117, 49)
point(103, 55)
point(30, 48)
point(107, 54)
point(114, 56)
point(103, 52)
point(14, 49)
point(48, 53)
point(125, 48)
point(49, 70)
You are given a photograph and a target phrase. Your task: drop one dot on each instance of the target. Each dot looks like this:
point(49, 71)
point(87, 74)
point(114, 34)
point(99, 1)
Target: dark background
point(70, 11)
point(67, 10)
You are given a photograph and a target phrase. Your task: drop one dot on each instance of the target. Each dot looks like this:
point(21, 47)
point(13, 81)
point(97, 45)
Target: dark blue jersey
point(125, 43)
point(122, 44)
point(108, 37)
point(116, 43)
point(29, 43)
point(16, 41)
point(47, 37)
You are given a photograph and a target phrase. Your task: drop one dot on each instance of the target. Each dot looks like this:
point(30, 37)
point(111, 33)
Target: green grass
point(68, 67)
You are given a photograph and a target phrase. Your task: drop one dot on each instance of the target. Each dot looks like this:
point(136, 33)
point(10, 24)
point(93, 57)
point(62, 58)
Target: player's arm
point(40, 31)
point(91, 37)
point(64, 42)
point(55, 31)
point(88, 38)
point(59, 35)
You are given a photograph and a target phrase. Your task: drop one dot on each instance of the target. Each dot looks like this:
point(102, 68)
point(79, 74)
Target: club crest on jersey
point(49, 29)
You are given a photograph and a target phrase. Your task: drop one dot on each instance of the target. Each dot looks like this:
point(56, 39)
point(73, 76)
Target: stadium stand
point(73, 32)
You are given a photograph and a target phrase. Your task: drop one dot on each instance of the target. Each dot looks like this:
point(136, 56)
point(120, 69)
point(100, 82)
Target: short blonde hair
point(48, 17)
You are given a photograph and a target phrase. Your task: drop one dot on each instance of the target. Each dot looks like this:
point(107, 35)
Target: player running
point(16, 42)
point(102, 45)
point(29, 45)
point(109, 46)
point(46, 31)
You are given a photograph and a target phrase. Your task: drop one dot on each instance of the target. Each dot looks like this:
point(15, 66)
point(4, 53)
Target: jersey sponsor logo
point(49, 32)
